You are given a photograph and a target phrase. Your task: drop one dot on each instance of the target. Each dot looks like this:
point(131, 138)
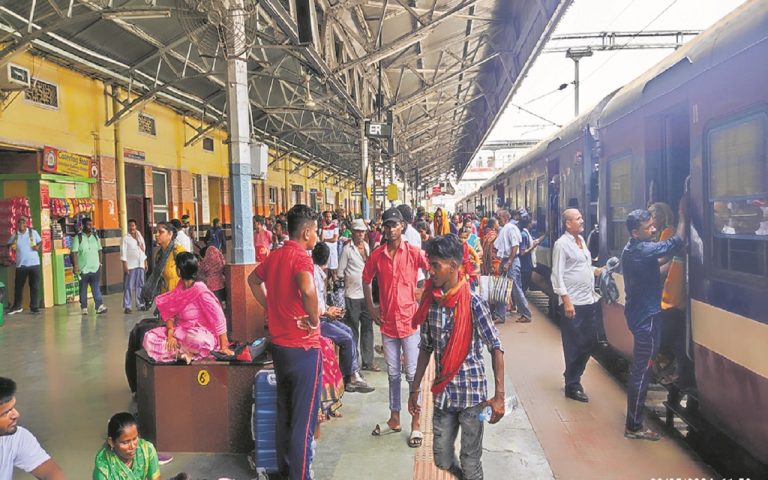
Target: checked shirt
point(468, 388)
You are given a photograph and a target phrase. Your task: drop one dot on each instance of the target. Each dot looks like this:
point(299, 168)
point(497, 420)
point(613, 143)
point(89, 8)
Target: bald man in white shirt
point(573, 280)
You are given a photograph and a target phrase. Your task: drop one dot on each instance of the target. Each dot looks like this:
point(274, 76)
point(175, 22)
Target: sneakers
point(85, 311)
point(102, 308)
point(16, 310)
point(127, 310)
point(359, 386)
point(163, 458)
point(642, 434)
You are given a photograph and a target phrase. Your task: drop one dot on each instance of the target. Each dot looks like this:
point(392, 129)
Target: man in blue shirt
point(26, 241)
point(642, 309)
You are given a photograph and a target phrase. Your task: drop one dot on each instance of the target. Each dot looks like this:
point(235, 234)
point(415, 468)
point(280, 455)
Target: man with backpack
point(26, 241)
point(86, 261)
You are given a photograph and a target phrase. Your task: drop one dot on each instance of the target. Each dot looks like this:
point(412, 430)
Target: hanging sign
point(378, 130)
point(67, 163)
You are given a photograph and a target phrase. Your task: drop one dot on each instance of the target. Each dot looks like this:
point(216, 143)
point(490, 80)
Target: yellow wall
point(79, 126)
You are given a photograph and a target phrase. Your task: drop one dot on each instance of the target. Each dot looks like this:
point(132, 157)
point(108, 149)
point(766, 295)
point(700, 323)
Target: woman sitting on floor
point(194, 321)
point(125, 456)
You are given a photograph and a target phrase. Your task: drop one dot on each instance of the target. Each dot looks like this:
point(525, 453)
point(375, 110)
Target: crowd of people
point(326, 279)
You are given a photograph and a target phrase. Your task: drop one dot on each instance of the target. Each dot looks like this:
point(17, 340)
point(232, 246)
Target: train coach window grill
point(738, 194)
point(619, 201)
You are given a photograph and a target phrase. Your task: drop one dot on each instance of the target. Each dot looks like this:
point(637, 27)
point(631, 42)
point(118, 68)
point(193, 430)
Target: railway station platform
point(71, 380)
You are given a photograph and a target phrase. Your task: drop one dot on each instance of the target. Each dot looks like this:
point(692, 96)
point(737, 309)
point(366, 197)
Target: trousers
point(647, 336)
point(299, 375)
point(132, 285)
point(393, 349)
point(22, 275)
point(445, 427)
point(579, 339)
point(340, 334)
point(360, 322)
point(93, 280)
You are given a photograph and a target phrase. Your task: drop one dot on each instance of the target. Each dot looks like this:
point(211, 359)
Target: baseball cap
point(359, 224)
point(392, 215)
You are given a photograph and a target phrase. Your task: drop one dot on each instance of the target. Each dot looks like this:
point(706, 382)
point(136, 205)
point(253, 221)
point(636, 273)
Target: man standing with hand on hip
point(573, 280)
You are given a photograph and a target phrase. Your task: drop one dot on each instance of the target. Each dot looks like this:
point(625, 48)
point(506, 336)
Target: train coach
point(700, 114)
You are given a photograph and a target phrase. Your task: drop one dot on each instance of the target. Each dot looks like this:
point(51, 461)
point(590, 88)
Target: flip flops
point(379, 431)
point(415, 439)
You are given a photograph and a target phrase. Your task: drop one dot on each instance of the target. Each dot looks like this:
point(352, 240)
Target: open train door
point(667, 171)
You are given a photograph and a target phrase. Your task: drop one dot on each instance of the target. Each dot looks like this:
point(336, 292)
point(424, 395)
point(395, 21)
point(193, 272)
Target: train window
point(518, 196)
point(619, 201)
point(738, 193)
point(528, 195)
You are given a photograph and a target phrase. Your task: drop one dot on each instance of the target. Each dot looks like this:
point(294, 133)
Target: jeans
point(647, 335)
point(299, 376)
point(409, 346)
point(341, 335)
point(517, 289)
point(132, 285)
point(445, 427)
point(358, 319)
point(94, 280)
point(579, 339)
point(22, 274)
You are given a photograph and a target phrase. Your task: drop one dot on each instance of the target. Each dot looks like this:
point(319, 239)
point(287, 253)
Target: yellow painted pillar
point(119, 168)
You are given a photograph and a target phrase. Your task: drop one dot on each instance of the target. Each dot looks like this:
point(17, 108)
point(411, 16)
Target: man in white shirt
point(351, 264)
point(409, 233)
point(507, 248)
point(573, 280)
point(26, 241)
point(18, 447)
point(133, 254)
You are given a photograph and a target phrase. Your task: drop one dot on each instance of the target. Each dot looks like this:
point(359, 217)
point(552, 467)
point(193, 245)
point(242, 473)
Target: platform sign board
point(378, 130)
point(131, 154)
point(67, 163)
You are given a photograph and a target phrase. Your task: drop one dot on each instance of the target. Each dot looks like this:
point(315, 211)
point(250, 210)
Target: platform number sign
point(378, 130)
point(203, 377)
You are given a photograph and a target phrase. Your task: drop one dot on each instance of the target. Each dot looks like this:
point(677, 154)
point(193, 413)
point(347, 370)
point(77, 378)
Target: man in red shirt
point(396, 265)
point(261, 236)
point(294, 328)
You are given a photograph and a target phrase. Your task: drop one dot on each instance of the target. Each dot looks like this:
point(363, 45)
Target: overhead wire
point(616, 52)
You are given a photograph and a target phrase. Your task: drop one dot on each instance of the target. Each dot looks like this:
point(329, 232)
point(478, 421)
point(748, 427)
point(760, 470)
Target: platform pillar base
point(247, 316)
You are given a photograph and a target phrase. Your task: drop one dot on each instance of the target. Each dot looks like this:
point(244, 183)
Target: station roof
point(447, 67)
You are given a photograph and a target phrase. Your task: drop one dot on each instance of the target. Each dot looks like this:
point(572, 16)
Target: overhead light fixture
point(308, 100)
point(139, 14)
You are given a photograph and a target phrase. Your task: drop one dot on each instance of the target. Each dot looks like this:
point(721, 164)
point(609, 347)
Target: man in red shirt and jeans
point(396, 266)
point(294, 328)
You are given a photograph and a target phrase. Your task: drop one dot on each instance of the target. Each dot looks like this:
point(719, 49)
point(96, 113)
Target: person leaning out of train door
point(642, 309)
point(573, 280)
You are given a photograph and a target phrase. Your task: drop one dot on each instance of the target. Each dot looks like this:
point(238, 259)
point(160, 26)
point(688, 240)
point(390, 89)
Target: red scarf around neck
point(459, 299)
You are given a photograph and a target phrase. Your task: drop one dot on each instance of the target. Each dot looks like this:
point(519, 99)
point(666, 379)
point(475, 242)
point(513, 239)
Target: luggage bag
point(264, 422)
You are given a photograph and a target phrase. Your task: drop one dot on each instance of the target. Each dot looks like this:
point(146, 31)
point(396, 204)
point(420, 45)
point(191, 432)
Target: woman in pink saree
point(194, 322)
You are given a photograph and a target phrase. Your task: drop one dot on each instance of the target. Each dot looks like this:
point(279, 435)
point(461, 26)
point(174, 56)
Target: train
point(697, 120)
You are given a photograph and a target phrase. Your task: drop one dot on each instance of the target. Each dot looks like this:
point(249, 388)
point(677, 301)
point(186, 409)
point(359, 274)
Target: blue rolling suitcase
point(263, 423)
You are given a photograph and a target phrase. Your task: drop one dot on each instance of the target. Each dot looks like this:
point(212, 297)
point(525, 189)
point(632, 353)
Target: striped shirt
point(468, 388)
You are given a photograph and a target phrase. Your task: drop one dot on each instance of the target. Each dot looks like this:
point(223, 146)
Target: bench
point(202, 407)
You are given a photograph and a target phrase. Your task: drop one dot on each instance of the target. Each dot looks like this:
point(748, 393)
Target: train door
point(666, 171)
point(553, 198)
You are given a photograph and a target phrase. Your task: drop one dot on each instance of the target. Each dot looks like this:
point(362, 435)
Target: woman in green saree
point(125, 456)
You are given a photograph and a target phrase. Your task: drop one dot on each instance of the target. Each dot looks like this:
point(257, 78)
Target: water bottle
point(510, 403)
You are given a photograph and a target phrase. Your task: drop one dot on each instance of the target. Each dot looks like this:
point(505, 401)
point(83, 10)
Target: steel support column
point(239, 130)
point(122, 206)
point(364, 171)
